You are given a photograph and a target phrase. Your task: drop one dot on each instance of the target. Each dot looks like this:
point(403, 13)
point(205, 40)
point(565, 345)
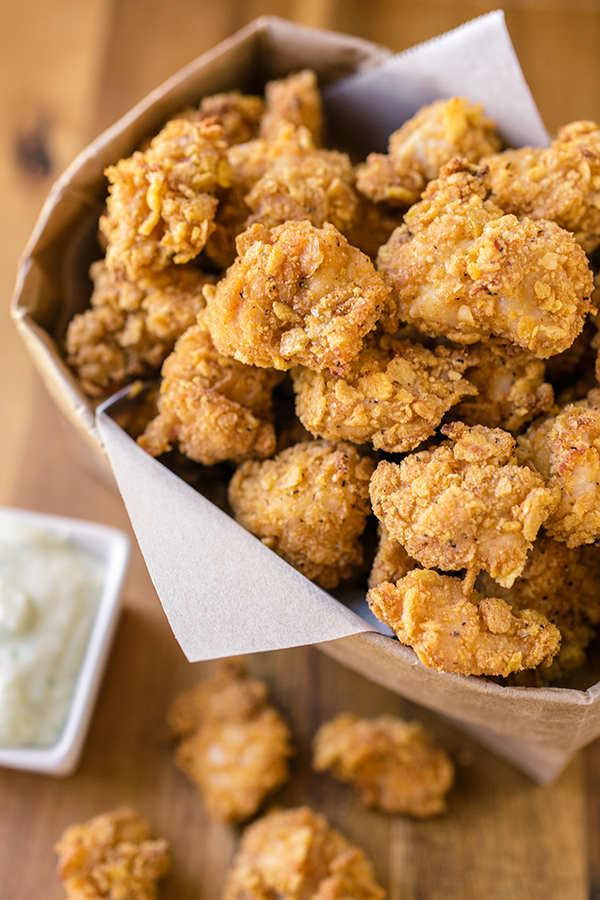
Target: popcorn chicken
point(391, 562)
point(310, 505)
point(294, 100)
point(239, 115)
point(132, 326)
point(211, 407)
point(462, 632)
point(395, 766)
point(234, 746)
point(295, 854)
point(394, 394)
point(461, 268)
point(295, 295)
point(162, 201)
point(464, 504)
point(112, 857)
point(418, 150)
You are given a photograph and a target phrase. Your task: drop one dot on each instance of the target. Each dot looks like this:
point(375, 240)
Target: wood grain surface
point(67, 70)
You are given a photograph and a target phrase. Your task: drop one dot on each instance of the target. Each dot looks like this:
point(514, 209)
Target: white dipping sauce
point(49, 593)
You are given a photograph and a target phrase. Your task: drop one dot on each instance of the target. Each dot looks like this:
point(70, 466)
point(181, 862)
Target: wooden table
point(69, 68)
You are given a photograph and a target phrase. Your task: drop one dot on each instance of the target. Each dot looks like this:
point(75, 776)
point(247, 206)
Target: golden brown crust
point(391, 562)
point(310, 505)
point(464, 633)
point(395, 766)
point(239, 115)
point(295, 854)
point(295, 100)
point(111, 857)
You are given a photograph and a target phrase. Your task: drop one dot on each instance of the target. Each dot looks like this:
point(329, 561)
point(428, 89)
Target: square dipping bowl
point(111, 547)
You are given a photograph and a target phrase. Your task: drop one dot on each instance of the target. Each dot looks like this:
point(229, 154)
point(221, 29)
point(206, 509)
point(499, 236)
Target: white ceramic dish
point(111, 546)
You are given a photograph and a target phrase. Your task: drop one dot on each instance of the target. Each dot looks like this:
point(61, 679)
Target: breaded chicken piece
point(461, 268)
point(372, 226)
point(310, 505)
point(394, 766)
point(295, 295)
point(239, 115)
point(418, 150)
point(511, 388)
point(132, 326)
point(294, 100)
point(394, 394)
point(462, 633)
point(565, 449)
point(560, 182)
point(162, 201)
point(233, 745)
point(391, 562)
point(465, 504)
point(112, 857)
point(295, 854)
point(561, 583)
point(211, 407)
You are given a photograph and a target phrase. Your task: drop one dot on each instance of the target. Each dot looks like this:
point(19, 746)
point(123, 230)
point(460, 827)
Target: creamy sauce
point(49, 593)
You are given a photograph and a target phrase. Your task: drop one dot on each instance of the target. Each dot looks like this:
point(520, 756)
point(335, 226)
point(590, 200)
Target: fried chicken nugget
point(561, 182)
point(565, 449)
point(212, 407)
point(464, 504)
point(294, 100)
point(391, 562)
point(461, 268)
point(418, 150)
point(162, 201)
point(112, 857)
point(295, 854)
point(394, 394)
point(462, 633)
point(511, 388)
point(395, 766)
point(561, 583)
point(239, 115)
point(295, 295)
point(310, 505)
point(234, 746)
point(132, 326)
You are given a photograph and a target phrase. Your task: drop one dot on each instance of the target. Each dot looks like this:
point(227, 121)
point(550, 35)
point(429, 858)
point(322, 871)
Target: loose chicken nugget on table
point(560, 182)
point(395, 766)
point(460, 267)
point(233, 744)
point(511, 388)
point(162, 201)
point(211, 407)
point(296, 294)
point(112, 857)
point(465, 504)
point(454, 629)
point(418, 150)
point(391, 562)
point(561, 583)
point(294, 853)
point(310, 505)
point(294, 100)
point(394, 394)
point(565, 449)
point(132, 326)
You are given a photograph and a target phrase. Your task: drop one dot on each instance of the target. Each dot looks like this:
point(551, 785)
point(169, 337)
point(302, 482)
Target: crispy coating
point(239, 115)
point(132, 325)
point(561, 583)
point(310, 505)
point(394, 394)
point(294, 100)
point(111, 857)
point(561, 182)
point(565, 448)
point(464, 504)
point(463, 633)
point(295, 854)
point(162, 201)
point(295, 295)
point(395, 766)
point(511, 388)
point(418, 150)
point(211, 407)
point(372, 226)
point(391, 562)
point(233, 745)
point(458, 267)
